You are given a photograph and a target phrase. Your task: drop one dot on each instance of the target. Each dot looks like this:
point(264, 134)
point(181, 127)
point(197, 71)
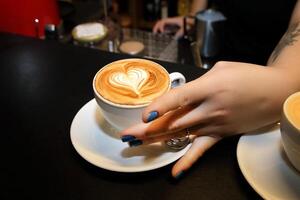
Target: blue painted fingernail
point(152, 116)
point(135, 143)
point(127, 138)
point(179, 175)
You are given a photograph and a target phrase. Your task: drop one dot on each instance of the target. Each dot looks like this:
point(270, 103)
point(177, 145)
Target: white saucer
point(264, 164)
point(98, 143)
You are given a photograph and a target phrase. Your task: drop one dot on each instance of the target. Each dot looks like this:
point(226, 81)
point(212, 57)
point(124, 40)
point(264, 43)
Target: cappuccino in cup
point(290, 129)
point(132, 82)
point(125, 87)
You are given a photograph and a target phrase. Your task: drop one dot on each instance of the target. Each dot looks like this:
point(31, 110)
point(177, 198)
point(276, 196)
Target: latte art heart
point(132, 81)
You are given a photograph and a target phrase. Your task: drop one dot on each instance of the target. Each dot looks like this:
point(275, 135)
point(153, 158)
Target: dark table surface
point(43, 85)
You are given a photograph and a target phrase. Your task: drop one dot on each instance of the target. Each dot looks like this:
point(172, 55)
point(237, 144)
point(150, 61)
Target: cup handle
point(177, 79)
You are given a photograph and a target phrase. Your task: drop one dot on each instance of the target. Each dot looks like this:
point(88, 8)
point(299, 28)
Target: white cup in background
point(290, 129)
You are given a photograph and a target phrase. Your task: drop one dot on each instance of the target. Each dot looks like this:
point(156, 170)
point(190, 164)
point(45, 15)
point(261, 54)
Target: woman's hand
point(231, 98)
point(160, 25)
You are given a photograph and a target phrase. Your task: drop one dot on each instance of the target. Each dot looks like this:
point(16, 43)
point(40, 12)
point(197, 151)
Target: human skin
point(232, 98)
point(196, 6)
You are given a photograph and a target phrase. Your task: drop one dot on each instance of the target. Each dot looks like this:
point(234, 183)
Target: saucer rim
point(119, 168)
point(275, 129)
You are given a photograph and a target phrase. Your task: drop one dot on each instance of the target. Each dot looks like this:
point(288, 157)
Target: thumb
point(200, 145)
point(179, 34)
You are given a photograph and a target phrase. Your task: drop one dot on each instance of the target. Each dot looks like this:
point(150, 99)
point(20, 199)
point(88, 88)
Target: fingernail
point(135, 143)
point(127, 138)
point(152, 116)
point(179, 175)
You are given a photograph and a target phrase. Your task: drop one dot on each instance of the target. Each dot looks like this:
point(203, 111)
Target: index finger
point(187, 94)
point(158, 27)
point(156, 128)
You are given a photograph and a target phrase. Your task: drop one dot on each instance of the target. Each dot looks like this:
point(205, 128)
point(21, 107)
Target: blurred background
point(123, 20)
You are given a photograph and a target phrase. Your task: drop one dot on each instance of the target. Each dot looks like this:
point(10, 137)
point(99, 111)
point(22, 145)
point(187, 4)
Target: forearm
point(286, 55)
point(197, 5)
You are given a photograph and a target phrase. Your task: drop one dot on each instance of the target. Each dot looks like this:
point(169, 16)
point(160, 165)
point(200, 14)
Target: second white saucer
point(264, 164)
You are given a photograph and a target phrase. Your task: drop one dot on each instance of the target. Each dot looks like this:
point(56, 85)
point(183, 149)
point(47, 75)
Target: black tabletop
point(43, 85)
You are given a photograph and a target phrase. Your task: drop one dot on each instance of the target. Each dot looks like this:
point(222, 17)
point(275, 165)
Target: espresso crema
point(132, 81)
point(292, 110)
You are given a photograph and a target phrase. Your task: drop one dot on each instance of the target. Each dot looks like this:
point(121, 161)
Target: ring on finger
point(179, 142)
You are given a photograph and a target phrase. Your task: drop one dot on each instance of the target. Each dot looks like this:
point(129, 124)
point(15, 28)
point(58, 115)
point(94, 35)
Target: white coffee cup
point(290, 129)
point(122, 116)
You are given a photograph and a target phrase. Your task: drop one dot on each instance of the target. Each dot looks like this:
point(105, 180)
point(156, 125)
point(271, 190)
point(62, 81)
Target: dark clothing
point(254, 27)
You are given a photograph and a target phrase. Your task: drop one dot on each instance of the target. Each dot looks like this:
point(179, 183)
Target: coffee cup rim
point(294, 95)
point(125, 105)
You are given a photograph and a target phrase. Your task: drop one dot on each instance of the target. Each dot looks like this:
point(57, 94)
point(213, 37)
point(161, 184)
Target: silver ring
point(187, 132)
point(179, 142)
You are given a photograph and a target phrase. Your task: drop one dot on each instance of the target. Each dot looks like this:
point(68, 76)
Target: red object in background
point(18, 16)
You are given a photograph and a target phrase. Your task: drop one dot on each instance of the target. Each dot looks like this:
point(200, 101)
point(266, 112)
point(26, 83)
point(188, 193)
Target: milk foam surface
point(132, 81)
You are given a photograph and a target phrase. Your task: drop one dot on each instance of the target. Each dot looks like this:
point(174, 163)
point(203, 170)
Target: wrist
point(289, 77)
